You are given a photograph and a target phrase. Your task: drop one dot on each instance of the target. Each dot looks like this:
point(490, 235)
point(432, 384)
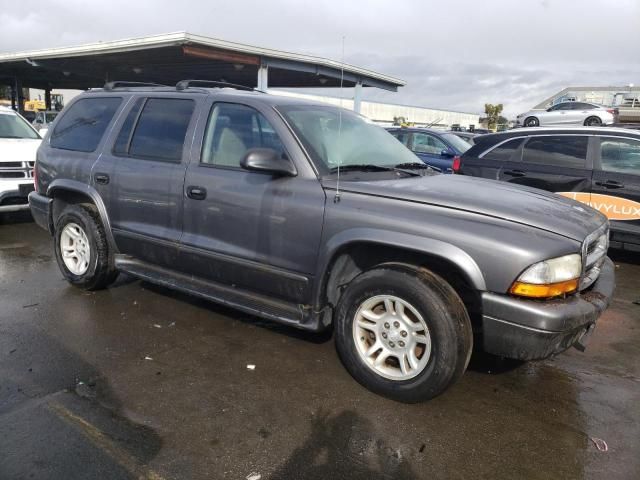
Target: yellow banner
point(615, 208)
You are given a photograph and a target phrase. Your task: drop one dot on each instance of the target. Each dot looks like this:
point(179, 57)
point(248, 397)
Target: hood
point(18, 149)
point(516, 203)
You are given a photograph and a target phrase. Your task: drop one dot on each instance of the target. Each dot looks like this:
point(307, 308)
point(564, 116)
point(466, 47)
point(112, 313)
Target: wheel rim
point(391, 337)
point(75, 248)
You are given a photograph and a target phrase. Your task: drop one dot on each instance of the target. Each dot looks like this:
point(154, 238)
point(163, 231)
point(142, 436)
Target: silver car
point(569, 113)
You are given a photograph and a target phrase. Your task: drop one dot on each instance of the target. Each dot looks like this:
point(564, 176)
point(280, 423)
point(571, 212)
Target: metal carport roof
point(171, 57)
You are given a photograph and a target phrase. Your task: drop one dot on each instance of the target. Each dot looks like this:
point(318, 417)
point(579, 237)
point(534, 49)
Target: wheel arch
point(70, 192)
point(351, 253)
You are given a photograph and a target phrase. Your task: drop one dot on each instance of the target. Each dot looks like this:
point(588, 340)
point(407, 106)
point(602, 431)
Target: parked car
point(438, 149)
point(309, 215)
point(466, 136)
point(44, 119)
point(18, 144)
point(600, 167)
point(569, 113)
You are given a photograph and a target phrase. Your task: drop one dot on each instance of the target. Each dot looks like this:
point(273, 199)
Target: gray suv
point(309, 215)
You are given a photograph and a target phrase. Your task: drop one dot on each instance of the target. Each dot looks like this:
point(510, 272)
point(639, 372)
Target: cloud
point(454, 55)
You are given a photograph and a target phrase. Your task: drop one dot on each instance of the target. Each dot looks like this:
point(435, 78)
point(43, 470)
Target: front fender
point(409, 242)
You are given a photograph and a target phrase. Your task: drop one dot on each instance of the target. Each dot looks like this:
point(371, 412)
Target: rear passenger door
point(556, 163)
point(144, 172)
point(252, 230)
point(616, 185)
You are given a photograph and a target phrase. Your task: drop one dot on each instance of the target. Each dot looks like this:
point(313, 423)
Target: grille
point(16, 169)
point(594, 252)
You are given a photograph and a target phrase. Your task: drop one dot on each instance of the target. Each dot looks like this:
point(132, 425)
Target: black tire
point(445, 316)
point(99, 274)
point(593, 122)
point(531, 122)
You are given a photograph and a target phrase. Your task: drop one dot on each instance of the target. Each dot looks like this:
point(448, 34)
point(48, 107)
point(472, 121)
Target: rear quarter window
point(82, 127)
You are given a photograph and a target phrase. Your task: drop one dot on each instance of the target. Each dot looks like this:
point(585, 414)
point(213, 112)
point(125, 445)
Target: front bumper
point(15, 199)
point(41, 210)
point(534, 329)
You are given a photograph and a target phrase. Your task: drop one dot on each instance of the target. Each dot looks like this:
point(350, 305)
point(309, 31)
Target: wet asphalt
point(138, 381)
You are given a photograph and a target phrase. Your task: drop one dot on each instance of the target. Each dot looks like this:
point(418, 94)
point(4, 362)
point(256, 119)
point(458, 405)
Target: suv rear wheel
point(81, 248)
point(403, 333)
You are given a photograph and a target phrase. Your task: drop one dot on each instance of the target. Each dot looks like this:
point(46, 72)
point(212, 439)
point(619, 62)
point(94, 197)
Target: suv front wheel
point(81, 248)
point(403, 333)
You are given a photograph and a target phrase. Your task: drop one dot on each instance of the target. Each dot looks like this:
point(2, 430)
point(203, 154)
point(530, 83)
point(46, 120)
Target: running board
point(249, 302)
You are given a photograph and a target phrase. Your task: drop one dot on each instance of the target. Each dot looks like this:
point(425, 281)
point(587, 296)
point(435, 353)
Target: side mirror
point(269, 161)
point(447, 153)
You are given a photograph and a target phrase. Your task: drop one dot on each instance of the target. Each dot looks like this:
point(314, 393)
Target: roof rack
point(120, 83)
point(184, 84)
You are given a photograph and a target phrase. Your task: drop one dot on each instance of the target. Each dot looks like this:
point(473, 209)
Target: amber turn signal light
point(544, 291)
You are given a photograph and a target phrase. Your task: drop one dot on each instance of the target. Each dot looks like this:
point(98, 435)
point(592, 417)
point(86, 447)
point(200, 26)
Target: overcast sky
point(454, 54)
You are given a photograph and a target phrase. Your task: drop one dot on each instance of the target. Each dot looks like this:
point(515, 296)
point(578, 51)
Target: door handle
point(196, 193)
point(514, 173)
point(610, 184)
point(101, 178)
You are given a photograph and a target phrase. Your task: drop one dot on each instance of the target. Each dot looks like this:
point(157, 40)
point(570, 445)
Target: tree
point(493, 113)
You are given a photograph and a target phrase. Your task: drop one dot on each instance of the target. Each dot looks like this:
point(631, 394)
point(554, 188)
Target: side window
point(424, 143)
point(233, 129)
point(620, 155)
point(582, 106)
point(504, 152)
point(82, 126)
point(560, 151)
point(402, 136)
point(121, 146)
point(161, 129)
point(565, 106)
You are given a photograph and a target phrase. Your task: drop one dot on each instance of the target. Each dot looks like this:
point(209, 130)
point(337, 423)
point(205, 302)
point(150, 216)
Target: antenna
point(336, 199)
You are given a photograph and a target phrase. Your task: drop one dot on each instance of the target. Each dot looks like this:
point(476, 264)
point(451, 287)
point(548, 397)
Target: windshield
point(13, 126)
point(456, 142)
point(334, 136)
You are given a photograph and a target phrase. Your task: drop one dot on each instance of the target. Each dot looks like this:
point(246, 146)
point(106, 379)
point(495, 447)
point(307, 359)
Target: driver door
point(252, 230)
point(431, 150)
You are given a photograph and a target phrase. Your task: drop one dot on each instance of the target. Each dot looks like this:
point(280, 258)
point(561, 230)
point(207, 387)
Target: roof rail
point(184, 84)
point(121, 83)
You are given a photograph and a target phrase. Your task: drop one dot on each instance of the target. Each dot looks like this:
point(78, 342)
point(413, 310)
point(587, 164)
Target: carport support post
point(357, 97)
point(14, 97)
point(47, 99)
point(263, 78)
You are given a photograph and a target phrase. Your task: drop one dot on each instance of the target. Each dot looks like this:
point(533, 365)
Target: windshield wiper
point(420, 165)
point(369, 167)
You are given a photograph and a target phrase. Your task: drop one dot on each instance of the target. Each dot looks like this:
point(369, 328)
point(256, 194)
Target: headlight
point(550, 278)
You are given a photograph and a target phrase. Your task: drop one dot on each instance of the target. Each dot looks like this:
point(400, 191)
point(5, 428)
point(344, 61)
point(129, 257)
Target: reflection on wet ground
point(140, 382)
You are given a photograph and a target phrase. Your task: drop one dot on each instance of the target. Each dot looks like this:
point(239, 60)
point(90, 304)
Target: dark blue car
point(438, 149)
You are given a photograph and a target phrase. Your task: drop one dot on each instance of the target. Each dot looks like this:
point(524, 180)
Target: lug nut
point(386, 325)
point(403, 333)
point(396, 324)
point(401, 343)
point(391, 344)
point(384, 335)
